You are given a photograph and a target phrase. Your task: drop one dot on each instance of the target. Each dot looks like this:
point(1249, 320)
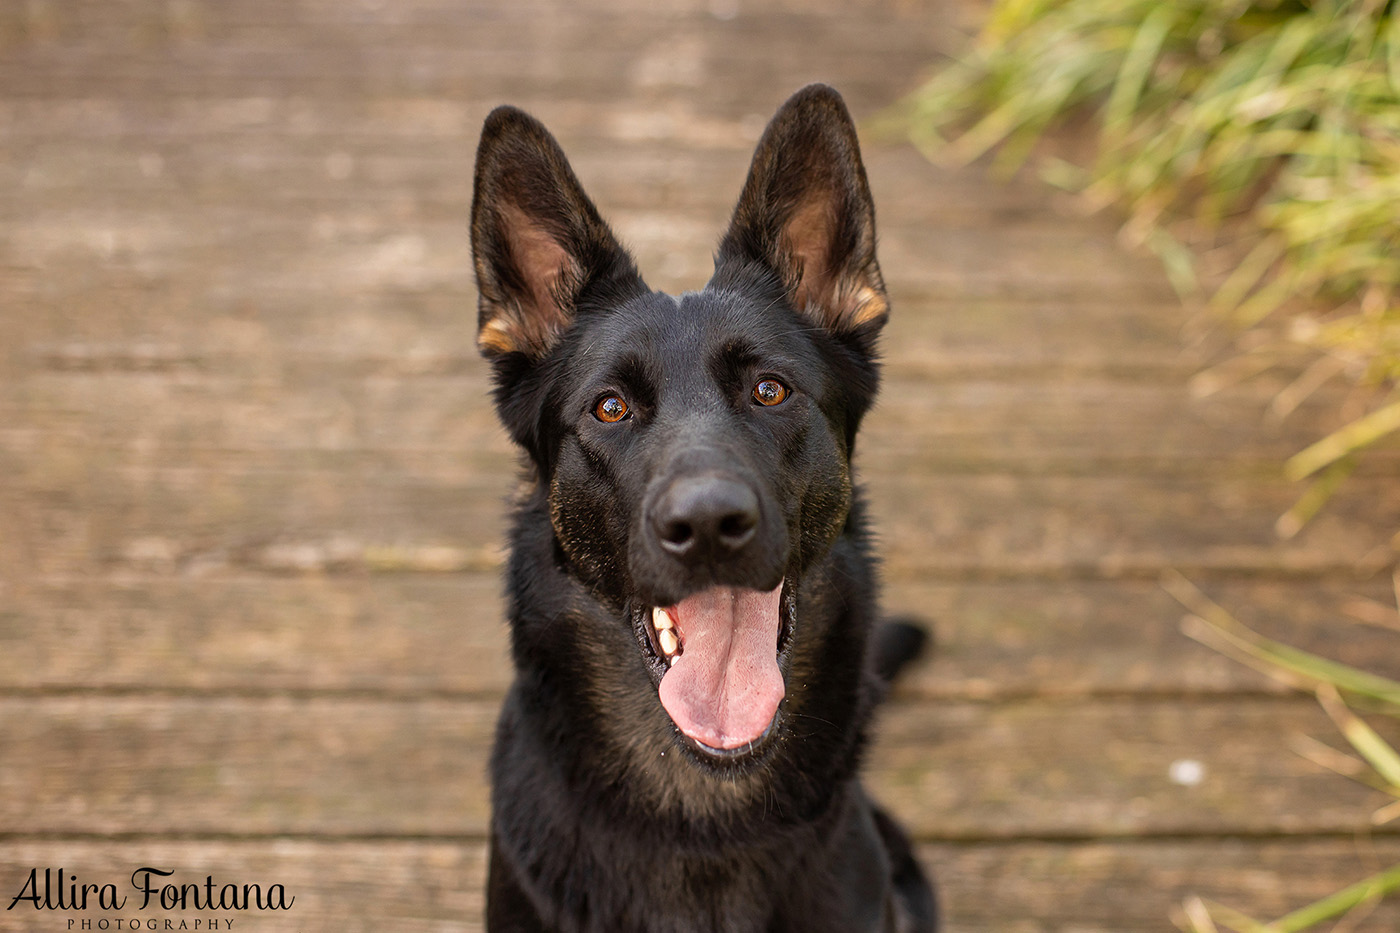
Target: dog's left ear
point(806, 214)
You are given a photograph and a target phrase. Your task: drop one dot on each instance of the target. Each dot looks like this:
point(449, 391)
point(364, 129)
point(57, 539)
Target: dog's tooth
point(669, 642)
point(661, 619)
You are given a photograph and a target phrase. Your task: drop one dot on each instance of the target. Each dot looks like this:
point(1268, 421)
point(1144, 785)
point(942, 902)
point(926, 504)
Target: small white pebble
point(1187, 772)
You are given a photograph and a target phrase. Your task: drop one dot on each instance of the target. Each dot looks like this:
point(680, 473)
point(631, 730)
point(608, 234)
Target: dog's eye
point(769, 392)
point(610, 409)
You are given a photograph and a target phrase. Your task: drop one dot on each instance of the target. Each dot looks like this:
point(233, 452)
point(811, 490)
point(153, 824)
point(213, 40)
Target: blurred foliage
point(1373, 761)
point(1255, 146)
point(1262, 137)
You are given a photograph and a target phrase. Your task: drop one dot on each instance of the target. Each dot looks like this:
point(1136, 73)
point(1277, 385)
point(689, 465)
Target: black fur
point(606, 818)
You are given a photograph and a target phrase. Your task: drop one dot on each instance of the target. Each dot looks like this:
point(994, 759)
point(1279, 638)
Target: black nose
point(705, 518)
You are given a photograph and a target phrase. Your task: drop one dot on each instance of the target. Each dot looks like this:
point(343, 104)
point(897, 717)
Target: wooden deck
point(251, 488)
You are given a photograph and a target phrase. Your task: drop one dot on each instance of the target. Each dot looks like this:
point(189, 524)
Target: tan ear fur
point(531, 322)
point(837, 298)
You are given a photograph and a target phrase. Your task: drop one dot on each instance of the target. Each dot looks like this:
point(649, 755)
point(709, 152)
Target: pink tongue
point(725, 687)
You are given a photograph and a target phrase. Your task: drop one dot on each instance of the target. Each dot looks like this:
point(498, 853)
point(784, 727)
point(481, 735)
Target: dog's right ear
point(538, 243)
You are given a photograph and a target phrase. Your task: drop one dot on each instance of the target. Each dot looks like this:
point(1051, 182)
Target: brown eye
point(610, 409)
point(769, 392)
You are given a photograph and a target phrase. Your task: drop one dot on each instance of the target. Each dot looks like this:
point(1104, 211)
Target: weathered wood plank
point(390, 174)
point(1138, 886)
point(387, 634)
point(176, 328)
point(329, 335)
point(471, 26)
point(349, 766)
point(942, 335)
point(1114, 525)
point(377, 163)
point(711, 131)
point(1033, 638)
point(188, 765)
point(429, 887)
point(1082, 422)
point(411, 634)
point(590, 54)
point(80, 16)
point(1050, 769)
point(149, 404)
point(219, 245)
point(79, 514)
point(278, 408)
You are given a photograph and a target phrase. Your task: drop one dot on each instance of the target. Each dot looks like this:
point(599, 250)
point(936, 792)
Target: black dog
point(690, 586)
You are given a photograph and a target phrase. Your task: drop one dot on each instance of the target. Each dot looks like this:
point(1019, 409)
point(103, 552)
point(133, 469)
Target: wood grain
point(357, 766)
point(951, 410)
point(398, 634)
point(447, 516)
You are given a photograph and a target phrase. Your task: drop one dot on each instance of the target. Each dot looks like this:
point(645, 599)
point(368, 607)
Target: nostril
point(677, 536)
point(736, 528)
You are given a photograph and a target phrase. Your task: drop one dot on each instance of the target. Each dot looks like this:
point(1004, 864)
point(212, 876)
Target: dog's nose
point(705, 517)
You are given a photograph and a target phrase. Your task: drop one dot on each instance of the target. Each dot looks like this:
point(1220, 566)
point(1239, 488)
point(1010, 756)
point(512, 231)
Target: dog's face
point(695, 450)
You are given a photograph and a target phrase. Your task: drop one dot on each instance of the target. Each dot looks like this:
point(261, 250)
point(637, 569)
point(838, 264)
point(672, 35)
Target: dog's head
point(696, 450)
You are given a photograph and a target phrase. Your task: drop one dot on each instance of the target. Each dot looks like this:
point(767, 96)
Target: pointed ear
point(538, 243)
point(806, 214)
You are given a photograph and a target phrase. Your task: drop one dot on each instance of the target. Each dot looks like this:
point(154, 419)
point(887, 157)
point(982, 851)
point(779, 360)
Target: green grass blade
point(1134, 72)
point(1254, 267)
point(1237, 639)
point(1360, 433)
point(1234, 920)
point(1376, 886)
point(1177, 260)
point(1363, 738)
point(1392, 54)
point(1318, 494)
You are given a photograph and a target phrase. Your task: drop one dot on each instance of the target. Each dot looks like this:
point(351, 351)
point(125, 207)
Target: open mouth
point(716, 655)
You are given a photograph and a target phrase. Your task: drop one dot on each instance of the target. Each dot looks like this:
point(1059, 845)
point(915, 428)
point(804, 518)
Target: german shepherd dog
point(690, 585)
